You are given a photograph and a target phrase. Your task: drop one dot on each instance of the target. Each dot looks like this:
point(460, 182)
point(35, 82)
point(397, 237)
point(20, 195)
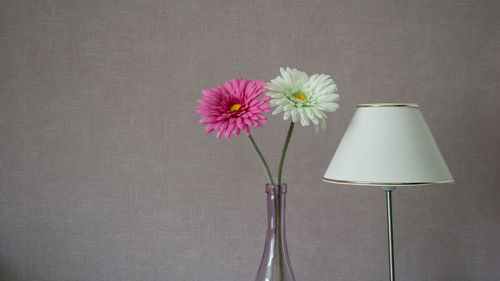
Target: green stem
point(262, 160)
point(278, 199)
point(283, 151)
point(279, 239)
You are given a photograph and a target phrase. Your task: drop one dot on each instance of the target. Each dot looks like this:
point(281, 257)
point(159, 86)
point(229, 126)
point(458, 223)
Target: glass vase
point(275, 264)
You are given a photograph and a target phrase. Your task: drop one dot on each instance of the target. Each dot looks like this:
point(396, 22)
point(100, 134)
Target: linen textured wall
point(105, 173)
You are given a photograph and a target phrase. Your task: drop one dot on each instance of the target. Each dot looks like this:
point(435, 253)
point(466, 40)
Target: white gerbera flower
point(303, 97)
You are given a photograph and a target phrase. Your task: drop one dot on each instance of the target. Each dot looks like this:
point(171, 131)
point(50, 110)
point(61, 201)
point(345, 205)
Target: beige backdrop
point(106, 175)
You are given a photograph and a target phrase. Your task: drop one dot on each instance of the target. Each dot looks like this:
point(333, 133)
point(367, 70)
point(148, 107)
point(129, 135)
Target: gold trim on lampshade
point(412, 105)
point(386, 183)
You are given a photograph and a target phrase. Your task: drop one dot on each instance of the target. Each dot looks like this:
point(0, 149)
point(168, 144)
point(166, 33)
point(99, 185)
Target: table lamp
point(388, 145)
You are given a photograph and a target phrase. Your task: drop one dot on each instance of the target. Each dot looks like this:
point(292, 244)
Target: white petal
point(311, 116)
point(277, 110)
point(330, 106)
point(295, 115)
point(286, 115)
point(318, 113)
point(288, 107)
point(303, 119)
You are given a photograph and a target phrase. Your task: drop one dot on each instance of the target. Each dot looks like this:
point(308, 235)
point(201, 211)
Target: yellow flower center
point(235, 107)
point(299, 96)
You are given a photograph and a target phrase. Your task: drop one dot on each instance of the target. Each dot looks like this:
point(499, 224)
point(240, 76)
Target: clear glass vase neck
point(275, 263)
point(276, 189)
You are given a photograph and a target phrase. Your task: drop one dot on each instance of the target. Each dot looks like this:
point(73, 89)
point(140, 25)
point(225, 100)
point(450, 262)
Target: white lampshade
point(388, 145)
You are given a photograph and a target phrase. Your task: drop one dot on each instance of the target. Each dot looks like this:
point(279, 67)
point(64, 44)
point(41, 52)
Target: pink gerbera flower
point(233, 107)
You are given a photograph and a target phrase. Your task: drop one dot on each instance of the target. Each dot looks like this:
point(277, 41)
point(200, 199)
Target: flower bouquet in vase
point(239, 104)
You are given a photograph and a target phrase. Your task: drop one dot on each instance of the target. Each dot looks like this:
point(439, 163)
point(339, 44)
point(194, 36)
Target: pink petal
point(246, 130)
point(209, 128)
point(219, 133)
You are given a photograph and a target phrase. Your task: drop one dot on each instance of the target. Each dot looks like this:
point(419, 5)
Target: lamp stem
point(390, 238)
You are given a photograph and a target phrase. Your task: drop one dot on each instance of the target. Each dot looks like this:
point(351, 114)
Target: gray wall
point(105, 173)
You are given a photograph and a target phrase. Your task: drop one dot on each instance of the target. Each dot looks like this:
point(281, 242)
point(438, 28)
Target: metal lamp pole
point(390, 239)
